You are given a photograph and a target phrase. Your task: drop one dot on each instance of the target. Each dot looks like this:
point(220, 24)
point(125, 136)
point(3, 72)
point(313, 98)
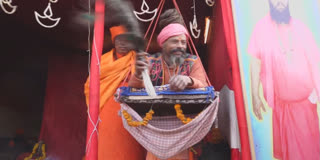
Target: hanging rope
point(94, 94)
point(192, 44)
point(161, 4)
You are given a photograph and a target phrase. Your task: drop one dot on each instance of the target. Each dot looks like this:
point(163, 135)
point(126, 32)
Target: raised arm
point(255, 81)
point(140, 65)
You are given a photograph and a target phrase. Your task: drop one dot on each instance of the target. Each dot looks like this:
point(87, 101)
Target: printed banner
point(278, 43)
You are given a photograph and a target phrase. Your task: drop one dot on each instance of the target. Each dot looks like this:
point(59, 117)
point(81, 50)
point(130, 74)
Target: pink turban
point(170, 30)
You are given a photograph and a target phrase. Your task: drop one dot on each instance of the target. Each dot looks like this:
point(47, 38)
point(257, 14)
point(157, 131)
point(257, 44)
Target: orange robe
point(198, 76)
point(114, 142)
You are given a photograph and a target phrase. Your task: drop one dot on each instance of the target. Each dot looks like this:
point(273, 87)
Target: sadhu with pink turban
point(171, 66)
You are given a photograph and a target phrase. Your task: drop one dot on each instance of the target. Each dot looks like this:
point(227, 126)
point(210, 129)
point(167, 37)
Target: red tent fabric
point(94, 93)
point(219, 65)
point(228, 24)
point(64, 119)
point(224, 68)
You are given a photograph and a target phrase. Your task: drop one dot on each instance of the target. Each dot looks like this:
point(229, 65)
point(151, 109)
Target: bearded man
point(173, 65)
point(285, 59)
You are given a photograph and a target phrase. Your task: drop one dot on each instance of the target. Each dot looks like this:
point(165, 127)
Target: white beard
point(176, 60)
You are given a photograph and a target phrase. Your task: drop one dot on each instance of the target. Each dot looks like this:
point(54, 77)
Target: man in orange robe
point(114, 142)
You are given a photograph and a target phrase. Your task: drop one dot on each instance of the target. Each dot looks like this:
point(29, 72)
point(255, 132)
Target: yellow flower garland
point(34, 150)
point(180, 114)
point(148, 117)
point(144, 122)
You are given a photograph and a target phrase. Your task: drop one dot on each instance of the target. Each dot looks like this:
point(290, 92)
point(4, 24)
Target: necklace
point(174, 69)
point(287, 51)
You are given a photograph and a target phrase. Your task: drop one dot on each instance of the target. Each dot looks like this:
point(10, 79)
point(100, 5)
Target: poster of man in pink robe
point(278, 45)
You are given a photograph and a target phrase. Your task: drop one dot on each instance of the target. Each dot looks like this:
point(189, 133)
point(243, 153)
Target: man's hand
point(313, 98)
point(257, 106)
point(180, 82)
point(141, 64)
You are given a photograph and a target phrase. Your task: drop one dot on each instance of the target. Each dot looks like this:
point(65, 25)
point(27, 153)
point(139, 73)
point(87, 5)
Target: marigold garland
point(149, 114)
point(34, 150)
point(180, 114)
point(144, 122)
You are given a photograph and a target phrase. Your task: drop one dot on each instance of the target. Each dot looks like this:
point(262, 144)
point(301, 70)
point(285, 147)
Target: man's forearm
point(255, 76)
point(198, 75)
point(196, 83)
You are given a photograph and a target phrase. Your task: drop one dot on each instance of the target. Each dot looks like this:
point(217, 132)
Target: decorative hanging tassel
point(148, 84)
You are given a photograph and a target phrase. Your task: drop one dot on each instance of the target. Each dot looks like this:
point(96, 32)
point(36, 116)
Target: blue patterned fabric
point(165, 90)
